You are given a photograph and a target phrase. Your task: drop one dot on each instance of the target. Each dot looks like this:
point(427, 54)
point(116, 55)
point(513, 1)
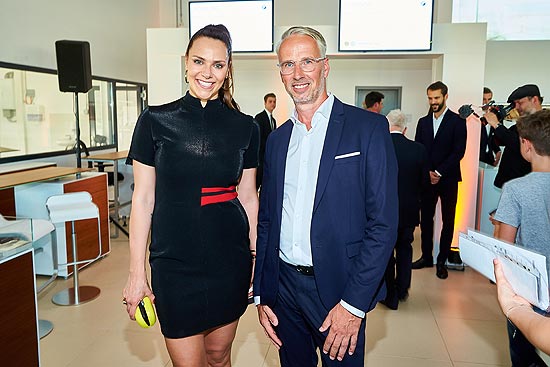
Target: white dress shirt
point(437, 121)
point(437, 124)
point(302, 167)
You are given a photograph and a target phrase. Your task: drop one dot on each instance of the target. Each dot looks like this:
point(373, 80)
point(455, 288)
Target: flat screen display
point(385, 25)
point(250, 22)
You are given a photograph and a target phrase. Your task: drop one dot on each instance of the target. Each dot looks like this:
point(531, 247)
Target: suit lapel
point(282, 151)
point(332, 139)
point(442, 125)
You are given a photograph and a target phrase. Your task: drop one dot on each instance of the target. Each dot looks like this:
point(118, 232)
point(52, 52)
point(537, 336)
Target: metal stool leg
point(45, 327)
point(75, 295)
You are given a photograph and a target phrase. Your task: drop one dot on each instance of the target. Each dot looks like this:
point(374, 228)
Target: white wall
point(115, 30)
point(510, 64)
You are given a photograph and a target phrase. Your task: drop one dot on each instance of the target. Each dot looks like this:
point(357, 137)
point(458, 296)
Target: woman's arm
point(517, 309)
point(248, 196)
point(143, 202)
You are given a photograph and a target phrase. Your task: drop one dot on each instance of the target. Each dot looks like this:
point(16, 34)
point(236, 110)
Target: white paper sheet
point(524, 269)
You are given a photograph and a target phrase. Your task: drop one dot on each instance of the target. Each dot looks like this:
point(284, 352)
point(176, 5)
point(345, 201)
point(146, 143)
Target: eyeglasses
point(307, 65)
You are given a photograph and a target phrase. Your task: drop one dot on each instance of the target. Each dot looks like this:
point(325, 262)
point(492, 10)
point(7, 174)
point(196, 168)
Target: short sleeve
point(509, 210)
point(251, 153)
point(142, 148)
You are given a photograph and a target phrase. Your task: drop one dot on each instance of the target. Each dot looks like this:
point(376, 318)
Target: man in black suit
point(267, 124)
point(443, 134)
point(489, 151)
point(412, 179)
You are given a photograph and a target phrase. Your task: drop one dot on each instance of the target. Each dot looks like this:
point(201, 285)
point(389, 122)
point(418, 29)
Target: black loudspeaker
point(74, 69)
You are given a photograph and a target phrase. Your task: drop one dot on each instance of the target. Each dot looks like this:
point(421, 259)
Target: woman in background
point(188, 156)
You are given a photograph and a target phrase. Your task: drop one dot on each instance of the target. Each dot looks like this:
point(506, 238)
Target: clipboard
point(525, 269)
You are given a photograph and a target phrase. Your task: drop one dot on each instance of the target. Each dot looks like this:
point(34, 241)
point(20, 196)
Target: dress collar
point(195, 102)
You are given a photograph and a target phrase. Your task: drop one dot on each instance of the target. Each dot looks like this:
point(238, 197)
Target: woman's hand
point(135, 290)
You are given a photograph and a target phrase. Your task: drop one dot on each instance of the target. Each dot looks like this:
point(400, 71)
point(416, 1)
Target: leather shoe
point(441, 271)
point(392, 305)
point(403, 297)
point(422, 263)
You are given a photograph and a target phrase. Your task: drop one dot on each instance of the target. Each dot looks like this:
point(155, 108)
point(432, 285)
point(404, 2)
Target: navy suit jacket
point(355, 211)
point(447, 148)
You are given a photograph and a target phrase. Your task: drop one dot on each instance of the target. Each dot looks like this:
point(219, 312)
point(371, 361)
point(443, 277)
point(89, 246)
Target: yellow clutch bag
point(145, 313)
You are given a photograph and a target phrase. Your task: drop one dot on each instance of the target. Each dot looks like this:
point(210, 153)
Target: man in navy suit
point(443, 134)
point(412, 180)
point(267, 124)
point(328, 215)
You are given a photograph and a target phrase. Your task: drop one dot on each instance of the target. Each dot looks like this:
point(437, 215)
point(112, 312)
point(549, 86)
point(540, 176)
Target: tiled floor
point(455, 322)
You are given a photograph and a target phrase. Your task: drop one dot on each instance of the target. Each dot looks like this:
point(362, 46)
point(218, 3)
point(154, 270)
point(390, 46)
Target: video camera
point(500, 111)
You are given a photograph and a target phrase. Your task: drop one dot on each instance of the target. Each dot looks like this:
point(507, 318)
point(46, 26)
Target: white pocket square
point(352, 154)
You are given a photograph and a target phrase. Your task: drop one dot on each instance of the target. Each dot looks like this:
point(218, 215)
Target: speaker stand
point(77, 132)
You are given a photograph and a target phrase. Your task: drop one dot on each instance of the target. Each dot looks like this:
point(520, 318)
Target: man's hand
point(268, 320)
point(344, 328)
point(434, 178)
point(491, 119)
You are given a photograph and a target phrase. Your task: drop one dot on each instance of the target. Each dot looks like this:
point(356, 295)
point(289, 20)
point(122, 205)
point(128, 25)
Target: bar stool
point(71, 207)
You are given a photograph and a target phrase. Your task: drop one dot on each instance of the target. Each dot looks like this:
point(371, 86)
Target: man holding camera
point(527, 100)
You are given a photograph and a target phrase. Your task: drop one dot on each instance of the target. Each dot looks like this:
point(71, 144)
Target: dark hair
point(373, 97)
point(272, 95)
point(438, 86)
point(219, 32)
point(536, 129)
point(487, 90)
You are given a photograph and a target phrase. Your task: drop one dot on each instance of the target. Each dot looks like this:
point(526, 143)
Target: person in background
point(527, 100)
point(413, 177)
point(489, 151)
point(524, 213)
point(188, 157)
point(443, 134)
point(328, 215)
point(374, 102)
point(267, 124)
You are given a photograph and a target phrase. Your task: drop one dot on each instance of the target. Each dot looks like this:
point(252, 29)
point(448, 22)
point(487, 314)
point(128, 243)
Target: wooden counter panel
point(18, 339)
point(7, 202)
point(86, 230)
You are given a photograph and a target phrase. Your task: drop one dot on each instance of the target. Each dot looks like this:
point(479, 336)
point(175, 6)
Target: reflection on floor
point(453, 322)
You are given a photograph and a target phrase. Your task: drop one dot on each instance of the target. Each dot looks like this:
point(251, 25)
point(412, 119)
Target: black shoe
point(441, 271)
point(403, 297)
point(422, 263)
point(392, 305)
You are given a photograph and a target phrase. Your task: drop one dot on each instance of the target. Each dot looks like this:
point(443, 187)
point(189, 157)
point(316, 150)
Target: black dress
point(199, 251)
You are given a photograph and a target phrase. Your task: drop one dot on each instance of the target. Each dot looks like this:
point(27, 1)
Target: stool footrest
point(66, 297)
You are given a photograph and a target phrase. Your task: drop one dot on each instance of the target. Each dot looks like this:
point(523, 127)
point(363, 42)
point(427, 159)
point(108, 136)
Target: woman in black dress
point(188, 156)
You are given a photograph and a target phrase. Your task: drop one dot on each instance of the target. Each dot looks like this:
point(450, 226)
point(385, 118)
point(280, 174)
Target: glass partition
point(37, 120)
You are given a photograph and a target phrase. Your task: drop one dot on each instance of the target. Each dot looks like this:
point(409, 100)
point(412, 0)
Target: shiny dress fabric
point(199, 255)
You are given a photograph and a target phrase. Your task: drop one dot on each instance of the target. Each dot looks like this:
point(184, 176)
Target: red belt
point(211, 195)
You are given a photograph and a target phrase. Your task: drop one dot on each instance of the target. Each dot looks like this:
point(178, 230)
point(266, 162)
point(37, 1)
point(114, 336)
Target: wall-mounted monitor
point(250, 22)
point(385, 25)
